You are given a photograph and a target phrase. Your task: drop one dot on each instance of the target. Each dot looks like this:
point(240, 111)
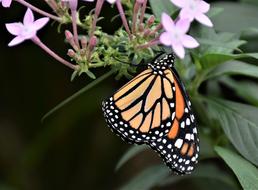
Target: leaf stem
point(77, 94)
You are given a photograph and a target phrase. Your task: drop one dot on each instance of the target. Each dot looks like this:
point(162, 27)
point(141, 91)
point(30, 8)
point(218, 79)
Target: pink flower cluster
point(175, 34)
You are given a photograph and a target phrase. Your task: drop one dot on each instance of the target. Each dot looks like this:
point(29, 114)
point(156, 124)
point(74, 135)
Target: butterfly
point(154, 109)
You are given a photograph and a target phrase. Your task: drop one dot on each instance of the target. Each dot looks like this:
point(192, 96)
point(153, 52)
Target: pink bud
point(71, 53)
point(151, 20)
point(141, 28)
point(147, 32)
point(68, 35)
point(84, 42)
point(140, 1)
point(70, 38)
point(93, 42)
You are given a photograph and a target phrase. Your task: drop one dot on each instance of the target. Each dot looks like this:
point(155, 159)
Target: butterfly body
point(154, 109)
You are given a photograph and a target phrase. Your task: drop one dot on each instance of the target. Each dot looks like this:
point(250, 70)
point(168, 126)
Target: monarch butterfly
point(154, 109)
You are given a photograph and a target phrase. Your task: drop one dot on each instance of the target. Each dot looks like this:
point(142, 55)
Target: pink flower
point(27, 29)
point(6, 3)
point(175, 35)
point(194, 9)
point(110, 1)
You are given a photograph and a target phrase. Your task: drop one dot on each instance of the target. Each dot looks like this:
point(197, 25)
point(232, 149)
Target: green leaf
point(231, 21)
point(205, 170)
point(212, 42)
point(246, 173)
point(247, 90)
point(130, 154)
point(252, 2)
point(148, 178)
point(234, 68)
point(90, 74)
point(212, 59)
point(214, 11)
point(77, 94)
point(240, 124)
point(162, 6)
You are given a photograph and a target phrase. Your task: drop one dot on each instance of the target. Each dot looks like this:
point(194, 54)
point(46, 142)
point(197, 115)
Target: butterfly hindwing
point(180, 148)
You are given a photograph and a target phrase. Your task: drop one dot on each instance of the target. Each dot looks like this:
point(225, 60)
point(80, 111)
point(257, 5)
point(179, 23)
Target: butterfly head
point(162, 62)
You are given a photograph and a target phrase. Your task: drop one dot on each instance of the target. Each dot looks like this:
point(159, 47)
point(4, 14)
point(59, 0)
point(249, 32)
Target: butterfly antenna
point(131, 64)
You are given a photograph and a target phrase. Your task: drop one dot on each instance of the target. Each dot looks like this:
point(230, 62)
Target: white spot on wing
point(178, 143)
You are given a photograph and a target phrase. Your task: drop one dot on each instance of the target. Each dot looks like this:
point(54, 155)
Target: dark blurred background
point(72, 149)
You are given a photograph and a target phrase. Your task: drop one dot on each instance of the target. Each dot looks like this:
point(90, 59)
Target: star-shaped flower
point(175, 35)
point(6, 3)
point(110, 1)
point(26, 30)
point(194, 9)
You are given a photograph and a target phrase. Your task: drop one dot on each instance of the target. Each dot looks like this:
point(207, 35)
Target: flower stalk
point(38, 42)
point(26, 4)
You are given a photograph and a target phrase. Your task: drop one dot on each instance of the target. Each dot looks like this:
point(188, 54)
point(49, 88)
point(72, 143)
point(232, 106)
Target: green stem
point(96, 65)
point(77, 94)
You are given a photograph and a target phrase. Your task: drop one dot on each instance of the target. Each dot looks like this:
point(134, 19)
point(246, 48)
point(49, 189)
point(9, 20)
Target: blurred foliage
point(73, 148)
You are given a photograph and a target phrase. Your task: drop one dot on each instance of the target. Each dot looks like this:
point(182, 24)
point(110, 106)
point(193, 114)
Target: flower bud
point(141, 28)
point(147, 32)
point(140, 1)
point(84, 42)
point(151, 20)
point(93, 42)
point(68, 35)
point(71, 53)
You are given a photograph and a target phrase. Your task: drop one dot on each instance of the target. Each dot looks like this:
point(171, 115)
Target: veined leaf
point(158, 7)
point(252, 2)
point(216, 42)
point(230, 21)
point(240, 124)
point(248, 90)
point(214, 11)
point(204, 171)
point(148, 178)
point(130, 154)
point(246, 173)
point(234, 68)
point(212, 59)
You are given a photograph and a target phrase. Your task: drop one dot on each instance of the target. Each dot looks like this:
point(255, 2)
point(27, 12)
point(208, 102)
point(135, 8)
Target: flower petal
point(186, 14)
point(189, 42)
point(204, 7)
point(183, 25)
point(14, 28)
point(167, 22)
point(202, 18)
point(38, 24)
point(179, 50)
point(165, 38)
point(6, 3)
point(28, 17)
point(178, 3)
point(111, 1)
point(16, 40)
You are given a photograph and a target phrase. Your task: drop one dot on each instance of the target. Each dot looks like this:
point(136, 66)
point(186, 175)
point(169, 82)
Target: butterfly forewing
point(140, 111)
